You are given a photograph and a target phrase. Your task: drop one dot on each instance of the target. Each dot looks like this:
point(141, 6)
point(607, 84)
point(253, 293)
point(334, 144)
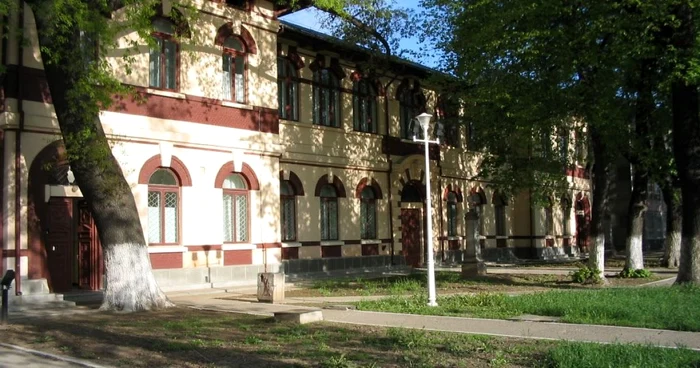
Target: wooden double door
point(73, 251)
point(412, 236)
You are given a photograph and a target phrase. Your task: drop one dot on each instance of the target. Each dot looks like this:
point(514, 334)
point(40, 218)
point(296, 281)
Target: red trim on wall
point(246, 171)
point(268, 245)
point(290, 253)
point(336, 183)
point(11, 253)
point(331, 251)
point(370, 249)
point(238, 257)
point(577, 172)
point(161, 261)
point(374, 185)
point(205, 248)
point(197, 109)
point(153, 163)
point(295, 181)
point(456, 189)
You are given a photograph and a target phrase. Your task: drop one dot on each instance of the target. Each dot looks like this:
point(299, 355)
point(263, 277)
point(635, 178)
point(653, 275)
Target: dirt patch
point(183, 337)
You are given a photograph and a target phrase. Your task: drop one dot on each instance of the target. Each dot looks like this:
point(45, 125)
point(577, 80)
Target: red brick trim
point(269, 245)
point(11, 253)
point(294, 57)
point(336, 183)
point(498, 199)
point(374, 185)
point(370, 249)
point(161, 261)
point(331, 251)
point(246, 171)
point(205, 248)
point(290, 253)
point(226, 31)
point(238, 257)
point(295, 182)
point(153, 163)
point(478, 193)
point(577, 172)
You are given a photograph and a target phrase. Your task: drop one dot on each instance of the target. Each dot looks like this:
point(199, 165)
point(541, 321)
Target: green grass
point(586, 355)
point(673, 308)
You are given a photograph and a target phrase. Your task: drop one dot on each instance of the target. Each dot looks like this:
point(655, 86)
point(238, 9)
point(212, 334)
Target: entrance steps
point(35, 296)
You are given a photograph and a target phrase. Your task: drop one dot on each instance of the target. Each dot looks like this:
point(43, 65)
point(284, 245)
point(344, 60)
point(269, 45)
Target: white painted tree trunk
point(634, 259)
point(131, 285)
point(672, 249)
point(596, 258)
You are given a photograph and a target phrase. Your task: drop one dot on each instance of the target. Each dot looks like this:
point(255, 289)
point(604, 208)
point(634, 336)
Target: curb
point(77, 362)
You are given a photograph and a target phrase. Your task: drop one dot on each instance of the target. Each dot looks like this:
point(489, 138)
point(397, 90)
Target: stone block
point(270, 287)
point(299, 316)
point(473, 269)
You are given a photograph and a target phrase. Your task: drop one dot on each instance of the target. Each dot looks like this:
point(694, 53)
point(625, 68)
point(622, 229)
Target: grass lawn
point(449, 282)
point(182, 337)
point(674, 308)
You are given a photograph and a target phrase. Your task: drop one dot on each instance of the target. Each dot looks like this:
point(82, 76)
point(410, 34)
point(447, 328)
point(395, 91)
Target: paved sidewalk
point(517, 329)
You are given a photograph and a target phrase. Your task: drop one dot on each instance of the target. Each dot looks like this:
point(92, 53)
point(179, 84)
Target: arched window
point(549, 224)
point(326, 99)
point(233, 69)
point(163, 207)
point(236, 210)
point(287, 89)
point(448, 122)
point(452, 214)
point(288, 203)
point(368, 214)
point(329, 212)
point(566, 216)
point(411, 103)
point(477, 200)
point(164, 58)
point(364, 106)
point(499, 205)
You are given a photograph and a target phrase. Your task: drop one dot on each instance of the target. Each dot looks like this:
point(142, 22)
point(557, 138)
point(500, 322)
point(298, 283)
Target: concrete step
point(47, 305)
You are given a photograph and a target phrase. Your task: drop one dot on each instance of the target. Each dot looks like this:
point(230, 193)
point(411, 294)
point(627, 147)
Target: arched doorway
point(412, 222)
point(64, 246)
point(583, 222)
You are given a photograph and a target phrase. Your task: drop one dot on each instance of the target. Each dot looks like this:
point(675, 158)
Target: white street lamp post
point(424, 121)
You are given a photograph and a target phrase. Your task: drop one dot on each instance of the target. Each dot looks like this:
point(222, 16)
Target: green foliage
point(576, 354)
point(659, 307)
point(635, 274)
point(586, 274)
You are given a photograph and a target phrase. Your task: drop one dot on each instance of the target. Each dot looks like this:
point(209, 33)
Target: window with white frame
point(233, 69)
point(236, 209)
point(163, 207)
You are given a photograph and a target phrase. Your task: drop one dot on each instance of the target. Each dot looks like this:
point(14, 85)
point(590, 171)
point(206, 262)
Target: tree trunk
point(686, 146)
point(672, 243)
point(600, 183)
point(641, 146)
point(131, 285)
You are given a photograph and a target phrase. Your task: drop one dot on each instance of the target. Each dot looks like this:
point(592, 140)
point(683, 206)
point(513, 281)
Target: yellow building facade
point(261, 146)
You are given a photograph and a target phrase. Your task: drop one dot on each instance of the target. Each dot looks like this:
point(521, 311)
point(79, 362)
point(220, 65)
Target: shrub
point(635, 274)
point(586, 274)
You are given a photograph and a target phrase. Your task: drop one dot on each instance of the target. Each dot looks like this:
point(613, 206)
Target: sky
point(309, 18)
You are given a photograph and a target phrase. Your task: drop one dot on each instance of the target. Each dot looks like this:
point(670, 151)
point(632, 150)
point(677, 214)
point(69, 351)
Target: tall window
point(448, 122)
point(326, 98)
point(564, 147)
point(451, 214)
point(235, 209)
point(500, 204)
point(566, 217)
point(364, 106)
point(287, 89)
point(549, 220)
point(288, 202)
point(368, 214)
point(163, 64)
point(163, 207)
point(407, 112)
point(329, 213)
point(233, 70)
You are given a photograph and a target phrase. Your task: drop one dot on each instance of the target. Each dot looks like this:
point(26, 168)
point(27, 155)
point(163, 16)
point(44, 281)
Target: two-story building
point(258, 146)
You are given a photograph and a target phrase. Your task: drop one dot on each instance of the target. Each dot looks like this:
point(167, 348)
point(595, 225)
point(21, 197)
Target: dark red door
point(411, 236)
point(89, 250)
point(59, 244)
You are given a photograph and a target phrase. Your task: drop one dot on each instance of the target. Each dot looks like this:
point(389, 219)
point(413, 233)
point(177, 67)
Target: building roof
point(314, 40)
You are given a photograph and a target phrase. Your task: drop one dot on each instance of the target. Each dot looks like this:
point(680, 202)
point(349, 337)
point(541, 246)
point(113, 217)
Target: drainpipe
point(388, 175)
point(18, 152)
point(5, 19)
point(442, 219)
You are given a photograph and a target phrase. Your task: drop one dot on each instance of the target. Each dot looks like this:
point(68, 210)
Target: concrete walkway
point(16, 356)
point(517, 329)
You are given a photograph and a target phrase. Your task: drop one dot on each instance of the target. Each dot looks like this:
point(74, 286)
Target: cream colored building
point(289, 157)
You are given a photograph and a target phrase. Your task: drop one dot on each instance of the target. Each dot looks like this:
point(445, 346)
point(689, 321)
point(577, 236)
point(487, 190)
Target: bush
point(586, 274)
point(635, 274)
